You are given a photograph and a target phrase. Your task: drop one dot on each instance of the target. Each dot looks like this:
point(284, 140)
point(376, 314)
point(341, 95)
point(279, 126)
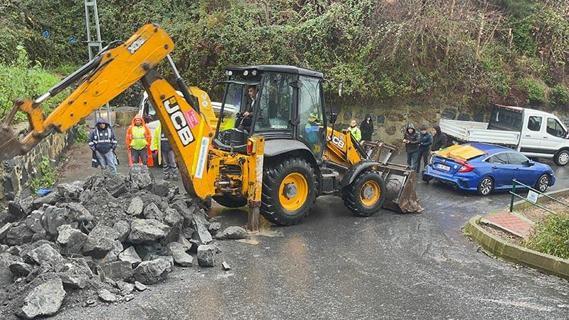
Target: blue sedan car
point(484, 168)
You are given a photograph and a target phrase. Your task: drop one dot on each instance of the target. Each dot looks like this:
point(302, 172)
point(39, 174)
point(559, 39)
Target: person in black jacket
point(103, 142)
point(411, 141)
point(440, 139)
point(366, 128)
point(425, 142)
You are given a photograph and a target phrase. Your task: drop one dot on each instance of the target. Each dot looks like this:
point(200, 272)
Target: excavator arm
point(111, 72)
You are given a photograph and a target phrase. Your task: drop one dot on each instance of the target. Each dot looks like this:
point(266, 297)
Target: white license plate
point(442, 167)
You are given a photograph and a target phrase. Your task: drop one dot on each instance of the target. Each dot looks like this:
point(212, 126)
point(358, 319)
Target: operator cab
point(288, 105)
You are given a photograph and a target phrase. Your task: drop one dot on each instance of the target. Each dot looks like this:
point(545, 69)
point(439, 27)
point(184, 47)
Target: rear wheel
point(289, 191)
point(485, 186)
point(230, 201)
point(365, 195)
point(561, 158)
point(426, 178)
point(542, 183)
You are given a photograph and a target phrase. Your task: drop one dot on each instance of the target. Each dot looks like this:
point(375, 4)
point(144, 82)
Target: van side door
point(531, 142)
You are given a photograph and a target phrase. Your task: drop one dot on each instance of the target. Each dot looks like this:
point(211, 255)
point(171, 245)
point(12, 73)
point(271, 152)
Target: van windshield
point(505, 119)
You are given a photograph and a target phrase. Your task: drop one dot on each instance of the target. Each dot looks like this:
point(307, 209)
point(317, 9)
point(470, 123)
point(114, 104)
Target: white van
point(532, 132)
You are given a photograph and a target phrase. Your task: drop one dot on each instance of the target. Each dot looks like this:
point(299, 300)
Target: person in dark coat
point(425, 142)
point(103, 142)
point(440, 139)
point(411, 141)
point(366, 128)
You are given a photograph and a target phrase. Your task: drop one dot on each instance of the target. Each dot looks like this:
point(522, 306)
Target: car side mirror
point(529, 163)
point(333, 117)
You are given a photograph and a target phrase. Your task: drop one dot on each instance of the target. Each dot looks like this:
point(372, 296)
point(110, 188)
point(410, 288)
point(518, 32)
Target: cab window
point(534, 123)
point(275, 103)
point(554, 128)
point(310, 113)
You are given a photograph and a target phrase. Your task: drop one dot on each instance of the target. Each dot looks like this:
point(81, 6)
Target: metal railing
point(541, 194)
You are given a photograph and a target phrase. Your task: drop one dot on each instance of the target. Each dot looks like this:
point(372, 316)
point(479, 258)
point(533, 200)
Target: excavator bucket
point(10, 144)
point(400, 195)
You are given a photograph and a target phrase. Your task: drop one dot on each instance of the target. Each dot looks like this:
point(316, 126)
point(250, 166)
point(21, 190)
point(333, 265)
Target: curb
point(500, 248)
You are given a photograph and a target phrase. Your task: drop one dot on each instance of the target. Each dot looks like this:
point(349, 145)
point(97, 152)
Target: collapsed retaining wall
point(16, 173)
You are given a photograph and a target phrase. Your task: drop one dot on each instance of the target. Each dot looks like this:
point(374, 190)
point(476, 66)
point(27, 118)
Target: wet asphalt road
point(337, 266)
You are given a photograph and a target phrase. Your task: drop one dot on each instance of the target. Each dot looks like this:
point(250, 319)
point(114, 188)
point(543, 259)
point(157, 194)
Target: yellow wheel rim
point(293, 191)
point(370, 193)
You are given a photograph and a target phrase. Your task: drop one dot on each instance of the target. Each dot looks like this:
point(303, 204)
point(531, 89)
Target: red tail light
point(250, 147)
point(466, 167)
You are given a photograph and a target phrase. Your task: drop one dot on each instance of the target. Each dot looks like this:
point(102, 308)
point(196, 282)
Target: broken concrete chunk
point(173, 218)
point(69, 191)
point(214, 227)
point(161, 188)
point(44, 300)
point(113, 254)
point(135, 207)
point(123, 229)
point(71, 239)
point(140, 177)
point(118, 270)
point(225, 266)
point(130, 255)
point(75, 273)
point(4, 230)
point(34, 221)
point(78, 211)
point(151, 211)
point(44, 254)
point(6, 260)
point(178, 252)
point(151, 272)
point(232, 233)
point(147, 230)
point(18, 234)
point(206, 255)
point(201, 234)
point(125, 287)
point(20, 268)
point(115, 185)
point(106, 296)
point(53, 217)
point(139, 286)
point(49, 199)
point(100, 241)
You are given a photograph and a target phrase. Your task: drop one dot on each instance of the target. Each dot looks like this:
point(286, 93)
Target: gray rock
point(128, 297)
point(71, 239)
point(161, 188)
point(151, 272)
point(151, 211)
point(69, 191)
point(139, 286)
point(4, 230)
point(6, 259)
point(201, 234)
point(130, 255)
point(76, 273)
point(125, 287)
point(44, 254)
point(115, 185)
point(135, 207)
point(34, 221)
point(106, 296)
point(206, 255)
point(113, 254)
point(20, 268)
point(100, 241)
point(78, 211)
point(54, 217)
point(140, 177)
point(173, 218)
point(19, 234)
point(214, 227)
point(123, 229)
point(184, 242)
point(232, 233)
point(49, 199)
point(185, 211)
point(16, 211)
point(118, 270)
point(225, 266)
point(178, 252)
point(147, 230)
point(44, 300)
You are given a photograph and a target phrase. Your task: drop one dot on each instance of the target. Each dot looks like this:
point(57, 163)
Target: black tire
point(542, 183)
point(485, 186)
point(561, 158)
point(230, 201)
point(274, 174)
point(353, 197)
point(426, 178)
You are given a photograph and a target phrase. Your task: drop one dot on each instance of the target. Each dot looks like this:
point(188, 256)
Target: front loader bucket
point(10, 145)
point(400, 181)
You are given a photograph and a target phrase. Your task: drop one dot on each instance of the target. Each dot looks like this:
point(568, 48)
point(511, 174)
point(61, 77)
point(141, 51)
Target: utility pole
point(94, 42)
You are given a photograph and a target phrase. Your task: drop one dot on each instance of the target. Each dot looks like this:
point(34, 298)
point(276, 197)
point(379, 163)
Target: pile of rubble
point(109, 236)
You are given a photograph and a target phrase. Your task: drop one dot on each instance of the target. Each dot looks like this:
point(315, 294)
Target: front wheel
point(542, 183)
point(561, 158)
point(365, 195)
point(485, 186)
point(289, 191)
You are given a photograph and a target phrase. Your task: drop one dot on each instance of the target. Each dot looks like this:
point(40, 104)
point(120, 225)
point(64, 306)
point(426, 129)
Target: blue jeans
point(412, 158)
point(107, 160)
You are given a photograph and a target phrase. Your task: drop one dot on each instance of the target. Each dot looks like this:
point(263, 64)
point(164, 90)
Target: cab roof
point(279, 68)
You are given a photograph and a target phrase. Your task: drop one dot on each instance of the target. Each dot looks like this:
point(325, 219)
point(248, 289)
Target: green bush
point(552, 236)
point(82, 135)
point(45, 176)
point(559, 96)
point(536, 90)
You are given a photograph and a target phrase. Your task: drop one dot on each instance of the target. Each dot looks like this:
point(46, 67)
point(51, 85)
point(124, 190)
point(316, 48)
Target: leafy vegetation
point(552, 236)
point(45, 176)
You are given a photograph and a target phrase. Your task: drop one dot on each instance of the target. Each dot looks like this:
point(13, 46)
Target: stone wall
point(15, 173)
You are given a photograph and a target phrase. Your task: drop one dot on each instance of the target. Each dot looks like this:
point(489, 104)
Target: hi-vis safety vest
point(138, 139)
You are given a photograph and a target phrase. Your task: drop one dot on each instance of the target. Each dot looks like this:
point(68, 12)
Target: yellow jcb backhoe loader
point(277, 164)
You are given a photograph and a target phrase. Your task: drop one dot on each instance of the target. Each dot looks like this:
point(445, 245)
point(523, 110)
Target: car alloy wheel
point(486, 186)
point(543, 183)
